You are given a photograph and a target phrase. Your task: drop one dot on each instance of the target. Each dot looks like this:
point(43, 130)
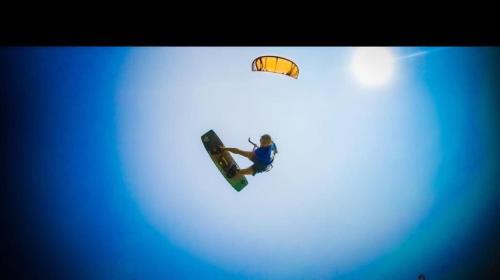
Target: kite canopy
point(276, 64)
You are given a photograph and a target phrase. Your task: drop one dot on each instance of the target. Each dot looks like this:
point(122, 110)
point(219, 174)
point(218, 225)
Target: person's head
point(421, 277)
point(265, 140)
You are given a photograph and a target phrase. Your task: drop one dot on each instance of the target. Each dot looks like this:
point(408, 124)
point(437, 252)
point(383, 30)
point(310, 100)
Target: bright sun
point(373, 66)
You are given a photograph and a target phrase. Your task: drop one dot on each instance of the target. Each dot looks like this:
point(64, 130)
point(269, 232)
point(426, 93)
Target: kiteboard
point(223, 160)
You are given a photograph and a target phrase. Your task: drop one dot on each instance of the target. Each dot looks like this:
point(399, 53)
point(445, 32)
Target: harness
point(275, 151)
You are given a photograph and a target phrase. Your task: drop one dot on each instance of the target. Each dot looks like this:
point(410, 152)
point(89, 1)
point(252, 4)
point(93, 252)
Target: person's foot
point(217, 150)
point(233, 171)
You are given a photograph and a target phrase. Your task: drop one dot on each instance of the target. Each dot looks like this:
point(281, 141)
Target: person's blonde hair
point(267, 138)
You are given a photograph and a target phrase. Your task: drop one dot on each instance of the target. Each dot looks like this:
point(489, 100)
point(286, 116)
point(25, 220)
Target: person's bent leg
point(246, 171)
point(239, 152)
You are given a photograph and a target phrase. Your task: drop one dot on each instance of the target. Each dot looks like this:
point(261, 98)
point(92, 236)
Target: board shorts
point(257, 167)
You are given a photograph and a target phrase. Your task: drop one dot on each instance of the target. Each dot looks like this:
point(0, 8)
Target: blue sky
point(370, 182)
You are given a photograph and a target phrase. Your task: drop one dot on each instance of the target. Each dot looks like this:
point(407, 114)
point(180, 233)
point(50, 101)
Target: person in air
point(262, 156)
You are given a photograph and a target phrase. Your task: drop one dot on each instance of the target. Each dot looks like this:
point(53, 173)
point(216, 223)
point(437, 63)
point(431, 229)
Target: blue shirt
point(265, 155)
